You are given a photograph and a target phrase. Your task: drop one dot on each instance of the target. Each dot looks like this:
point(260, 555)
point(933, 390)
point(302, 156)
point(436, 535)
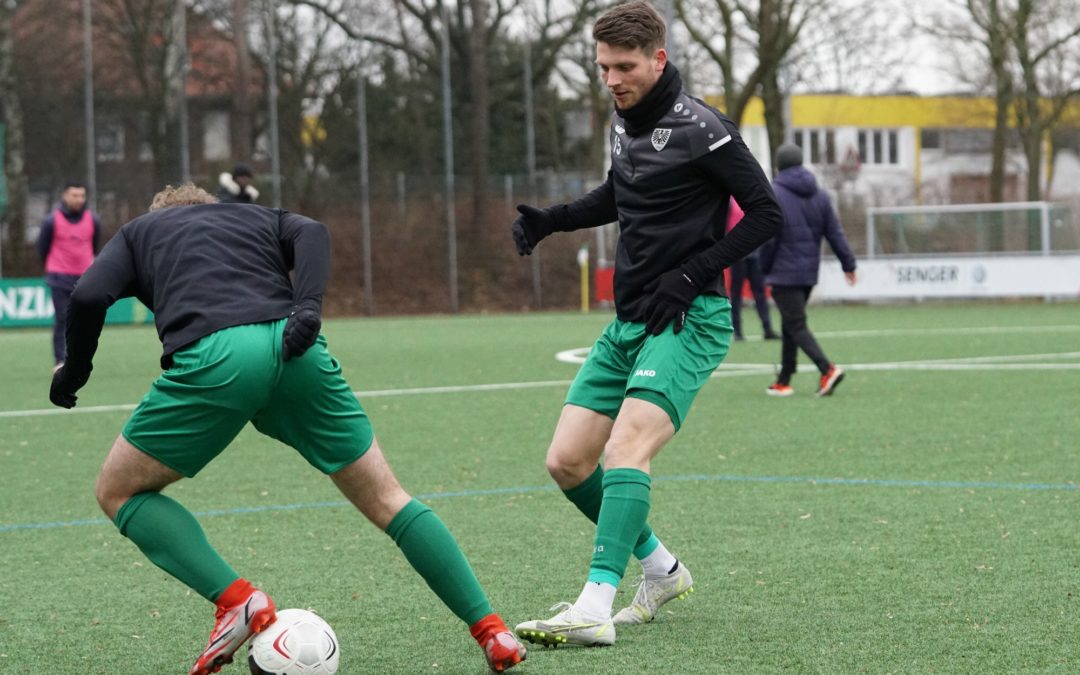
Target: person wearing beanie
point(787, 156)
point(236, 187)
point(791, 261)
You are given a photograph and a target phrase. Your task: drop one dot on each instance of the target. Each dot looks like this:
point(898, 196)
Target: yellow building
point(898, 149)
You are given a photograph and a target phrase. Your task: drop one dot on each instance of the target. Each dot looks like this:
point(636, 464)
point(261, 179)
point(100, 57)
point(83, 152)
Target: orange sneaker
point(778, 389)
point(830, 379)
point(501, 649)
point(243, 610)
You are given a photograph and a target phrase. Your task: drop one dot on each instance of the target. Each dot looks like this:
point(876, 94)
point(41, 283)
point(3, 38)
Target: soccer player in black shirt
point(675, 164)
point(241, 343)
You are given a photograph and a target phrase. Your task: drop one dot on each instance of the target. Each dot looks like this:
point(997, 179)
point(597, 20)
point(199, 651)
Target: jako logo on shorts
point(645, 373)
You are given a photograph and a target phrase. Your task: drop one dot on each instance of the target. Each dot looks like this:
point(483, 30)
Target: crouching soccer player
point(675, 163)
point(241, 343)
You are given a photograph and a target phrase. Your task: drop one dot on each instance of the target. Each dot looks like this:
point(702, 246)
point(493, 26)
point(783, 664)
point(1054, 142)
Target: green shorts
point(665, 369)
point(235, 375)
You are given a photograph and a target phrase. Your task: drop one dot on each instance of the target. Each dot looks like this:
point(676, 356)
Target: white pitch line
point(983, 330)
point(963, 366)
point(376, 393)
point(1003, 358)
point(1002, 362)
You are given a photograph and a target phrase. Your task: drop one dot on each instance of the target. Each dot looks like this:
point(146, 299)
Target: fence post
point(1044, 226)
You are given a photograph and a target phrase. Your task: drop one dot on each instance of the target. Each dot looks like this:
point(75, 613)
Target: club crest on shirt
point(660, 138)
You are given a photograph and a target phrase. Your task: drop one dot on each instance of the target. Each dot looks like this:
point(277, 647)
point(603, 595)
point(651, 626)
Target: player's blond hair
point(181, 195)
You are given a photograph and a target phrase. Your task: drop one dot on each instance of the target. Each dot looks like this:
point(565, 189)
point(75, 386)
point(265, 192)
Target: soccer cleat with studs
point(234, 626)
point(503, 651)
point(501, 648)
point(570, 626)
point(653, 593)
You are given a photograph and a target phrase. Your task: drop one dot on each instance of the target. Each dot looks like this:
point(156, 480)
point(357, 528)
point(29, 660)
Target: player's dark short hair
point(68, 184)
point(242, 169)
point(631, 25)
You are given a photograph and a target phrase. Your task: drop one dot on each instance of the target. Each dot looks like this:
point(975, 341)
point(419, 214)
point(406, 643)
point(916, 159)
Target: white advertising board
point(953, 277)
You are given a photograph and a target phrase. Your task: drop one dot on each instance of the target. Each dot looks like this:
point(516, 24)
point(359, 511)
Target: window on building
point(818, 145)
point(879, 146)
point(216, 140)
point(969, 140)
point(931, 139)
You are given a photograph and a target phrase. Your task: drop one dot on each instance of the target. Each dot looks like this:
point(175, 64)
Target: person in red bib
point(69, 238)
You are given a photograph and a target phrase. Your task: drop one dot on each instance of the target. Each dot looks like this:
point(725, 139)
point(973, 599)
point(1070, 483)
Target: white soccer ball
point(299, 642)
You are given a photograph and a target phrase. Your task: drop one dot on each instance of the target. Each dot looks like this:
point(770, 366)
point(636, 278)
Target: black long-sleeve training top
point(675, 161)
point(200, 269)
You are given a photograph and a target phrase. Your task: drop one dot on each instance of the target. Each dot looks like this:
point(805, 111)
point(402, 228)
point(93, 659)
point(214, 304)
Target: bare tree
point(478, 30)
point(766, 48)
point(136, 40)
point(750, 42)
point(309, 68)
point(479, 118)
point(1046, 36)
point(243, 105)
point(1032, 49)
point(13, 149)
point(981, 28)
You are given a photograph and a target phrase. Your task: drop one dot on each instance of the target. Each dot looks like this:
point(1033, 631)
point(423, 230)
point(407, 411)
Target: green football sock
point(173, 540)
point(432, 551)
point(622, 517)
point(587, 498)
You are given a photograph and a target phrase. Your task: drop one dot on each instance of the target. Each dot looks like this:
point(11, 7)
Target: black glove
point(530, 227)
point(301, 331)
point(672, 294)
point(64, 386)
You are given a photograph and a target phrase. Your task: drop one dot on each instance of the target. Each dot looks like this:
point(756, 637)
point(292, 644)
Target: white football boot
point(569, 627)
point(653, 593)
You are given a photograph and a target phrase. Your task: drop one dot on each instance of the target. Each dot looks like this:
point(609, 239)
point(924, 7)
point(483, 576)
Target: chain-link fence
point(410, 244)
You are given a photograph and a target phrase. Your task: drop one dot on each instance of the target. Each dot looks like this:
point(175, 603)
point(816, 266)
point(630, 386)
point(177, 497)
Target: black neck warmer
point(648, 111)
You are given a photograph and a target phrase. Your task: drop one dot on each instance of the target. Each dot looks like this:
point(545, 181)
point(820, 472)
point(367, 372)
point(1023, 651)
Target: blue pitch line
point(528, 489)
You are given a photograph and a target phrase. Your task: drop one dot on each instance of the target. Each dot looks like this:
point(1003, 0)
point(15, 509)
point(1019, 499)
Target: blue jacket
point(793, 256)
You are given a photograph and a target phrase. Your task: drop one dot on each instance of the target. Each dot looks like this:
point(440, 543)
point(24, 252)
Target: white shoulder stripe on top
point(720, 142)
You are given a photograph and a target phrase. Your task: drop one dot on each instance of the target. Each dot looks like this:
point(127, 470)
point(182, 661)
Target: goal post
point(1011, 228)
point(1017, 249)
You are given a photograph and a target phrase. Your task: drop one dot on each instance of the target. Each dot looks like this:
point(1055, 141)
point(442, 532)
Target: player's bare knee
point(109, 496)
point(568, 469)
point(381, 511)
point(627, 451)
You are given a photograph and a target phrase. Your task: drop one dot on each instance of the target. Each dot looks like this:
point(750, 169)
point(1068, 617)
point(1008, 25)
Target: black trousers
point(61, 286)
point(791, 301)
point(748, 268)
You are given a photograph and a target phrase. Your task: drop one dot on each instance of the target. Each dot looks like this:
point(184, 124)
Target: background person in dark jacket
point(236, 187)
point(68, 239)
point(791, 261)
